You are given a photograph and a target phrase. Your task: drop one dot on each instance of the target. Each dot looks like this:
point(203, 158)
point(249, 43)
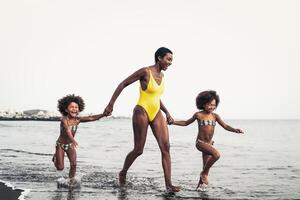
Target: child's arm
point(226, 126)
point(69, 132)
point(91, 118)
point(185, 122)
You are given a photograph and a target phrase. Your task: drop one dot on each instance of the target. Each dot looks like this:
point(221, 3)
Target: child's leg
point(210, 156)
point(71, 153)
point(59, 158)
point(205, 158)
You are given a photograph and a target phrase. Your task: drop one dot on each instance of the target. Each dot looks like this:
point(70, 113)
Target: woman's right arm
point(129, 80)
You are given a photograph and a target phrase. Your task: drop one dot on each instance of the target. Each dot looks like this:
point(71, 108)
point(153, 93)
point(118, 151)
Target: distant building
point(35, 112)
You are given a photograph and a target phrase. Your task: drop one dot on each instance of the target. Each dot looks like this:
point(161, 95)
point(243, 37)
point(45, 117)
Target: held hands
point(106, 114)
point(108, 110)
point(170, 120)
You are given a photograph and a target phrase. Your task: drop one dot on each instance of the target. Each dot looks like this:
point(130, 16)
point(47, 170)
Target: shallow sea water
point(264, 163)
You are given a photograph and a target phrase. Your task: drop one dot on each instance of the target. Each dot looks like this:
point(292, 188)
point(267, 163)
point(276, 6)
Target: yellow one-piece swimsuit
point(150, 98)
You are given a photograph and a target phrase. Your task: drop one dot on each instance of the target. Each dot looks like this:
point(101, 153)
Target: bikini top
point(63, 130)
point(207, 122)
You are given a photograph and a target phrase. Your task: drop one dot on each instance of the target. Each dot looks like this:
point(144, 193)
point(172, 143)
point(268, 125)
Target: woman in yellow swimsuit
point(147, 112)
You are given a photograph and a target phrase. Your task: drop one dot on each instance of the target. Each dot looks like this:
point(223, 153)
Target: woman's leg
point(140, 125)
point(161, 133)
point(59, 158)
point(72, 155)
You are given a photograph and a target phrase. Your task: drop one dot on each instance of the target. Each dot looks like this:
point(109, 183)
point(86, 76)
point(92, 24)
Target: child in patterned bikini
point(206, 102)
point(70, 106)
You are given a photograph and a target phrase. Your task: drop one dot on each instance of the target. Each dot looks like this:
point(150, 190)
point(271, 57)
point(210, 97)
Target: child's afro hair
point(64, 102)
point(205, 97)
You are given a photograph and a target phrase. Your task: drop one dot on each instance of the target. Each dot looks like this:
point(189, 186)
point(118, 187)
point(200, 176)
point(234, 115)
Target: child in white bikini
point(207, 102)
point(70, 106)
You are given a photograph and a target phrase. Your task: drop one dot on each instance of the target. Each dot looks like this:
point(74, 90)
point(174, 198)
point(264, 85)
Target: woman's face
point(73, 109)
point(166, 61)
point(210, 106)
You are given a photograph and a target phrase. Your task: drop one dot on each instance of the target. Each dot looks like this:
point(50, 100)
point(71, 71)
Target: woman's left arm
point(168, 116)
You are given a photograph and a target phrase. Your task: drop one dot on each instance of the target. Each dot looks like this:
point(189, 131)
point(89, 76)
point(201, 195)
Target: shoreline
point(30, 119)
point(9, 192)
point(50, 118)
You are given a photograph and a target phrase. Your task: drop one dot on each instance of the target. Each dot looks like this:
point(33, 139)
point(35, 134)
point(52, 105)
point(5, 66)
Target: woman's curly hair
point(64, 102)
point(205, 97)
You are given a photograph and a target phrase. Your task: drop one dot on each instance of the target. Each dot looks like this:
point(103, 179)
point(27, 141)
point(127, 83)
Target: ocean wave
point(5, 125)
point(107, 180)
point(26, 152)
point(276, 168)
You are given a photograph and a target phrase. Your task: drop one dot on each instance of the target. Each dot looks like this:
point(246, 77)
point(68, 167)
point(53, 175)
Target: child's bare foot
point(203, 181)
point(199, 183)
point(172, 188)
point(204, 178)
point(122, 178)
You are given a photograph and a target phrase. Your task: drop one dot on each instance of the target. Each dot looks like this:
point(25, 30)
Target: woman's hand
point(170, 120)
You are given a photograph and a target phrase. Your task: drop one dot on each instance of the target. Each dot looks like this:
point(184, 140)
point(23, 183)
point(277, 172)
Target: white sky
point(248, 51)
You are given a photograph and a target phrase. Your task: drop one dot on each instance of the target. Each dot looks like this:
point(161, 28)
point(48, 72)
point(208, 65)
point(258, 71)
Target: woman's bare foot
point(172, 188)
point(122, 178)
